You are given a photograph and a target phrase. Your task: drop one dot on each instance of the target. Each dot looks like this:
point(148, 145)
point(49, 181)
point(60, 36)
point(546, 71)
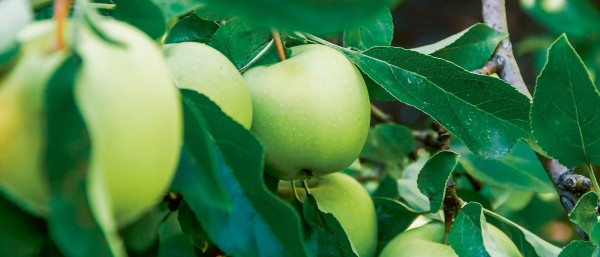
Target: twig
point(493, 66)
point(380, 115)
point(494, 15)
point(568, 185)
point(279, 44)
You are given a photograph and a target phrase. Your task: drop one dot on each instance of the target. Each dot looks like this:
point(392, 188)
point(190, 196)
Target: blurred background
point(533, 26)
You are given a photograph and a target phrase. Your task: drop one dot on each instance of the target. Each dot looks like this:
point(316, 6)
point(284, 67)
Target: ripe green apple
point(345, 198)
point(311, 112)
point(130, 106)
point(427, 240)
point(201, 68)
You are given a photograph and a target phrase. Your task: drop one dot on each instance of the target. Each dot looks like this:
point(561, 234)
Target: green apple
point(201, 68)
point(427, 240)
point(311, 112)
point(345, 198)
point(130, 106)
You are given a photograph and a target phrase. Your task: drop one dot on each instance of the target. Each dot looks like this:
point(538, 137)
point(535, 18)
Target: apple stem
point(278, 44)
point(295, 191)
point(60, 9)
point(380, 115)
point(305, 185)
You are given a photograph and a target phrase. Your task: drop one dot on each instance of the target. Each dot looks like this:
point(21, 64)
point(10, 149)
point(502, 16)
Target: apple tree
point(266, 128)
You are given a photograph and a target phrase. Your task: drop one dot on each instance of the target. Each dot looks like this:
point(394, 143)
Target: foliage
point(222, 202)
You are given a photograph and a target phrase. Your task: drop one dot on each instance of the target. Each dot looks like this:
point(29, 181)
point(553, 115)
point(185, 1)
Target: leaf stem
point(295, 191)
point(257, 56)
point(279, 44)
point(305, 185)
point(590, 169)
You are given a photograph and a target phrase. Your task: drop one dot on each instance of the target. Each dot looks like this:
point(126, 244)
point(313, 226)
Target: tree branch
point(494, 15)
point(569, 186)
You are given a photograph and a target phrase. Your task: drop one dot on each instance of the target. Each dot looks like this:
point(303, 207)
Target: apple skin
point(427, 240)
point(311, 112)
point(199, 67)
point(130, 106)
point(345, 198)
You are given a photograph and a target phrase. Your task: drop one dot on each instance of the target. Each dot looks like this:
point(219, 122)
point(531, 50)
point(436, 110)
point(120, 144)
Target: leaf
point(595, 234)
point(322, 17)
point(191, 227)
point(434, 176)
point(472, 107)
point(142, 234)
point(519, 169)
point(66, 160)
point(565, 115)
point(143, 14)
point(21, 234)
point(239, 41)
point(191, 29)
point(174, 9)
point(393, 217)
point(469, 235)
point(326, 235)
point(258, 223)
point(377, 31)
point(577, 249)
point(577, 18)
point(388, 143)
point(407, 186)
point(528, 243)
point(584, 212)
point(173, 243)
point(469, 49)
point(388, 187)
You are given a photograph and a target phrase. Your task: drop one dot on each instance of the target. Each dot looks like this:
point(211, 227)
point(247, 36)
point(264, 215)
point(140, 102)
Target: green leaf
point(66, 157)
point(388, 187)
point(388, 143)
point(143, 14)
point(519, 169)
point(584, 212)
point(300, 15)
point(21, 234)
point(239, 41)
point(191, 226)
point(377, 31)
point(172, 241)
point(434, 176)
point(577, 18)
point(174, 9)
point(142, 234)
point(469, 235)
point(191, 29)
point(595, 234)
point(565, 115)
point(393, 217)
point(258, 223)
point(197, 177)
point(470, 48)
point(407, 186)
point(528, 243)
point(578, 249)
point(326, 235)
point(484, 112)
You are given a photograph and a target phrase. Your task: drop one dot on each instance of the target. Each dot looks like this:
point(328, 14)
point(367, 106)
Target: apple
point(427, 240)
point(345, 198)
point(201, 68)
point(311, 112)
point(130, 106)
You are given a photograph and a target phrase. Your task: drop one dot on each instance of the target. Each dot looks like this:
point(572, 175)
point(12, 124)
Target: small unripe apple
point(428, 240)
point(345, 198)
point(311, 112)
point(128, 102)
point(201, 68)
